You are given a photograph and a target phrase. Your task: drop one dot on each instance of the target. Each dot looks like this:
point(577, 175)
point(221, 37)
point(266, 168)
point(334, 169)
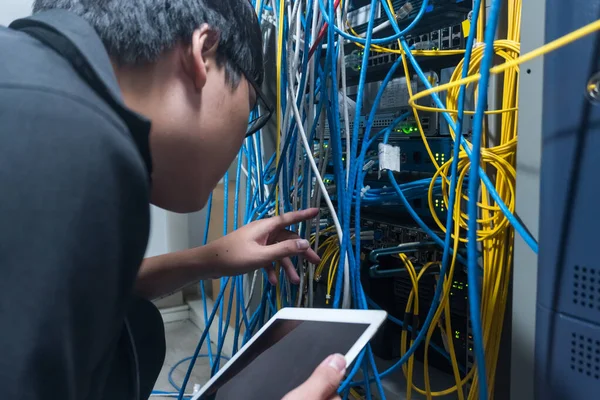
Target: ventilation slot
point(586, 287)
point(585, 355)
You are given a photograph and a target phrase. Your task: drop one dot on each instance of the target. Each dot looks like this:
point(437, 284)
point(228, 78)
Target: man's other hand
point(323, 383)
point(261, 242)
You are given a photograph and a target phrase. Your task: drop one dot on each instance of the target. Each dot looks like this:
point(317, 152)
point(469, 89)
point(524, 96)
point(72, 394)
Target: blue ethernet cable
point(220, 337)
point(346, 244)
point(444, 267)
point(239, 309)
point(174, 367)
point(365, 382)
point(202, 291)
point(360, 160)
point(221, 343)
point(333, 111)
point(473, 265)
point(236, 281)
point(379, 41)
point(358, 293)
point(201, 342)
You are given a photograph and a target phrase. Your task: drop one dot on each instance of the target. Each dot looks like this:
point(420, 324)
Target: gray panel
point(568, 269)
point(574, 363)
point(524, 284)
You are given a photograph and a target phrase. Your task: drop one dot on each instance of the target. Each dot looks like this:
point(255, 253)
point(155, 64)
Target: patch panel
point(415, 157)
point(394, 233)
point(438, 13)
point(406, 128)
point(342, 125)
point(420, 204)
point(446, 38)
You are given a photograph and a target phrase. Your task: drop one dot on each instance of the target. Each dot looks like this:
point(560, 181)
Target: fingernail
point(302, 244)
point(337, 362)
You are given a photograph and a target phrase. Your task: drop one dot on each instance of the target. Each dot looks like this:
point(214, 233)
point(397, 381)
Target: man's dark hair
point(138, 32)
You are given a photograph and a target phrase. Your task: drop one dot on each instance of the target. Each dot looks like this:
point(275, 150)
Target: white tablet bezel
point(374, 318)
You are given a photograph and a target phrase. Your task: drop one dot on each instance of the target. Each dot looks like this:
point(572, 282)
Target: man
point(107, 106)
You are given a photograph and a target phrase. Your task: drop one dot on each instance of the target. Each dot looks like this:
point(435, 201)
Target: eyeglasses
point(262, 111)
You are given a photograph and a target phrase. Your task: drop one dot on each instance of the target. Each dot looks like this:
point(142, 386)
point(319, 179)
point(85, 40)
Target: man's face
point(198, 127)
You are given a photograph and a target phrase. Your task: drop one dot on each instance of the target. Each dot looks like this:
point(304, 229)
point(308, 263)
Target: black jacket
point(74, 222)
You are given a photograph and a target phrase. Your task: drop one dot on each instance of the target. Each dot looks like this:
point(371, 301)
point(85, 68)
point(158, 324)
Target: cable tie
point(368, 165)
point(364, 191)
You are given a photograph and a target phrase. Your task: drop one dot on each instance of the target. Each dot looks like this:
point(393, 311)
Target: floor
point(183, 336)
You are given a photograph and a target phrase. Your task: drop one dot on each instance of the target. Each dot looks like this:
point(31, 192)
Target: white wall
point(13, 9)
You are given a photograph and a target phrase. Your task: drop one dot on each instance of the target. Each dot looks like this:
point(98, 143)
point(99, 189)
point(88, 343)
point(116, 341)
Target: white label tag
point(389, 157)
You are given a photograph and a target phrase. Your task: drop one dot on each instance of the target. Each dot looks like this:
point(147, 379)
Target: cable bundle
point(480, 177)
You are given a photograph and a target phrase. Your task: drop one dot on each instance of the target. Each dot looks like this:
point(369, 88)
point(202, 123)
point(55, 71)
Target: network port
point(445, 44)
point(456, 29)
point(445, 32)
point(455, 42)
point(435, 35)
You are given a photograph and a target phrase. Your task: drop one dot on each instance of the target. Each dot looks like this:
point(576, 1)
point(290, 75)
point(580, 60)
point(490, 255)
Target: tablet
point(287, 350)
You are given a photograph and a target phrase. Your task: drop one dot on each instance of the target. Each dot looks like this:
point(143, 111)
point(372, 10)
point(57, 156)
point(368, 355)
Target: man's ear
point(201, 55)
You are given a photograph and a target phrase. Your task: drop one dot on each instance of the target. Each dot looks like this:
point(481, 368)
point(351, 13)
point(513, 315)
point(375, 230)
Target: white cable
point(249, 176)
point(336, 222)
point(342, 66)
point(252, 286)
point(257, 182)
point(376, 29)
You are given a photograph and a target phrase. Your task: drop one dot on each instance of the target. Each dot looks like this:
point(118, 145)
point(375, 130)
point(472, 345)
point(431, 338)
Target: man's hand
point(323, 383)
point(259, 243)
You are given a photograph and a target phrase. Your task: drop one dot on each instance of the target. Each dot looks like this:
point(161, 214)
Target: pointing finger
point(272, 276)
point(291, 218)
point(290, 270)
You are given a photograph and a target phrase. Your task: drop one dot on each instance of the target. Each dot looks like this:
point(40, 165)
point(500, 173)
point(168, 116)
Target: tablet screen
point(282, 358)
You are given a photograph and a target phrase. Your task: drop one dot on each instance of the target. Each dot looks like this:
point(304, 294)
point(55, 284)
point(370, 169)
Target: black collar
point(75, 40)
